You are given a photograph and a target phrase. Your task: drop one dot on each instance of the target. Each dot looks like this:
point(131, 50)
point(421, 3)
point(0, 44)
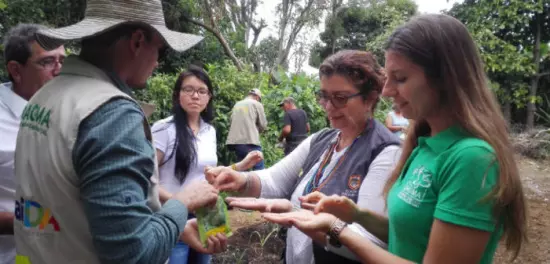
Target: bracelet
point(333, 234)
point(247, 182)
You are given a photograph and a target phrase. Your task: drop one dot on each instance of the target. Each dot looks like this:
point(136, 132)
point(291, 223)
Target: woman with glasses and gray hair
point(353, 158)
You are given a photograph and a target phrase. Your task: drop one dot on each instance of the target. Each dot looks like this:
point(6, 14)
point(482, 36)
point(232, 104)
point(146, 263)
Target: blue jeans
point(182, 254)
point(242, 150)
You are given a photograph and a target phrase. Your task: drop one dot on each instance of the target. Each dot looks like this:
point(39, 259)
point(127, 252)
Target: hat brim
point(91, 27)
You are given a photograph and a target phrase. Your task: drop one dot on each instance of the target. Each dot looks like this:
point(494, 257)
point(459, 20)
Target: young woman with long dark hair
point(186, 144)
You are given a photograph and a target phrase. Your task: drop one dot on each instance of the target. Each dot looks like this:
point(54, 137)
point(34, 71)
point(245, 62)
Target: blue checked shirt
point(114, 161)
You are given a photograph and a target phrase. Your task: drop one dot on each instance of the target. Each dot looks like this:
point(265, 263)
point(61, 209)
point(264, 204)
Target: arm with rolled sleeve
point(114, 162)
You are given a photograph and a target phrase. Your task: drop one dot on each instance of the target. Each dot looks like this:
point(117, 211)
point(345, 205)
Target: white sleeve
point(279, 180)
point(161, 136)
point(370, 195)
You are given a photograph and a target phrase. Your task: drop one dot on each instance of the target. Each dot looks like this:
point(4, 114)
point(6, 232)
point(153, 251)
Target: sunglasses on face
point(337, 100)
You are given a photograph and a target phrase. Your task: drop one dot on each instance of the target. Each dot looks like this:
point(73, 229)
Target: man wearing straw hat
point(86, 189)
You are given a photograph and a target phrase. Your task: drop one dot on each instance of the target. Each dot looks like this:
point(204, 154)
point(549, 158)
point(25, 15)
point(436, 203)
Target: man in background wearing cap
point(295, 126)
point(86, 172)
point(29, 66)
point(247, 121)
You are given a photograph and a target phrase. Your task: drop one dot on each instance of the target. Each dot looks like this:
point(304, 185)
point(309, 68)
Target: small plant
point(264, 240)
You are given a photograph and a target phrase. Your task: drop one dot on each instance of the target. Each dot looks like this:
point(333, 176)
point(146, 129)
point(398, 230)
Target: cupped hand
point(251, 159)
point(190, 236)
point(310, 201)
point(197, 194)
point(339, 206)
point(225, 179)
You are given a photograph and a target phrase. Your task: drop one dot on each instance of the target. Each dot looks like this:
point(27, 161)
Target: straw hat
point(102, 15)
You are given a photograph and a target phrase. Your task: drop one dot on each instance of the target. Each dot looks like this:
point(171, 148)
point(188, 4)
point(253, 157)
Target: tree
point(267, 54)
point(510, 34)
point(295, 15)
point(361, 25)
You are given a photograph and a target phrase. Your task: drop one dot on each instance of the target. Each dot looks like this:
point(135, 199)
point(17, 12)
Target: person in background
point(295, 125)
point(29, 67)
point(456, 190)
point(247, 122)
point(186, 144)
point(354, 158)
point(396, 122)
point(84, 152)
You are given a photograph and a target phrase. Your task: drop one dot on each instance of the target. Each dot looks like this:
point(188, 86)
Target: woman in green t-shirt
point(456, 190)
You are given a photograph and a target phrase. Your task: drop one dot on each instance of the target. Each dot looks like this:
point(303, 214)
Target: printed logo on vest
point(354, 182)
point(36, 118)
point(33, 215)
point(416, 188)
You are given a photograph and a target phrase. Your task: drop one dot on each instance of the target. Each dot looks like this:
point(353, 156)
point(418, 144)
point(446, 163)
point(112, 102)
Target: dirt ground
point(255, 241)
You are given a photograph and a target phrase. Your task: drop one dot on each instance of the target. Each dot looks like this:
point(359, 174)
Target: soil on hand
point(252, 243)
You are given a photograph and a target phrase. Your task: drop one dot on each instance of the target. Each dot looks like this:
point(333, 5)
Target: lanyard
point(314, 183)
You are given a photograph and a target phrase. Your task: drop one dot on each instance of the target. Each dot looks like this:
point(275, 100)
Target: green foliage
point(505, 32)
point(233, 85)
point(361, 25)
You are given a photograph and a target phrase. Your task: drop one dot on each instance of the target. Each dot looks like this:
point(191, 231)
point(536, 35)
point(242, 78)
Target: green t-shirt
point(447, 178)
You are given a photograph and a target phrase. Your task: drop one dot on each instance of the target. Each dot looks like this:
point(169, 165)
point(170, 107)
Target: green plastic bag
point(213, 220)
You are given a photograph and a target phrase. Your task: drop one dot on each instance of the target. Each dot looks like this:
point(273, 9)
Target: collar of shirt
point(203, 126)
point(14, 102)
point(444, 139)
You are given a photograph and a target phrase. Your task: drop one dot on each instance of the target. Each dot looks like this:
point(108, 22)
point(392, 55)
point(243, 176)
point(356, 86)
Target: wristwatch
point(334, 233)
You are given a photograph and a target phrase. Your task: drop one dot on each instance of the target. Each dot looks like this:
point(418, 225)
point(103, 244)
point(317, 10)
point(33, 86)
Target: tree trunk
point(531, 107)
point(507, 111)
point(222, 41)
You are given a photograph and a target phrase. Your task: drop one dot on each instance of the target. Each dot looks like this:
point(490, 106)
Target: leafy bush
point(231, 86)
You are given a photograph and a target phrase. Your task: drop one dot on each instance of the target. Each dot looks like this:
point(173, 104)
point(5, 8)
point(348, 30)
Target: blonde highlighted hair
point(442, 46)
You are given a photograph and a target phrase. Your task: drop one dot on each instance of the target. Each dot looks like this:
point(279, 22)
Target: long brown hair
point(442, 46)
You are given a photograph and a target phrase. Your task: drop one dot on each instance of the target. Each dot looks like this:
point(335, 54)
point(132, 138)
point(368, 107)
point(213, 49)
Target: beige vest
point(50, 224)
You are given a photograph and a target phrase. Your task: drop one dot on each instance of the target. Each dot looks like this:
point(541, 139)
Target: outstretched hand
point(304, 220)
point(251, 159)
point(260, 204)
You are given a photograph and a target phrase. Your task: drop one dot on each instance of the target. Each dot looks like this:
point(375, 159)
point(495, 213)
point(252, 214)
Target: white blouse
point(164, 139)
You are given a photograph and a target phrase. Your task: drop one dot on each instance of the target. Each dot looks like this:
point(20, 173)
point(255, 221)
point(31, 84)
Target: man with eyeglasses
point(29, 67)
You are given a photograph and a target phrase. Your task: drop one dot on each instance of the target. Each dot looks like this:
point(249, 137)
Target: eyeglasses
point(50, 63)
point(338, 101)
point(191, 91)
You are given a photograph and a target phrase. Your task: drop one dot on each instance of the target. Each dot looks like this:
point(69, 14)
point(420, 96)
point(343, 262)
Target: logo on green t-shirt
point(415, 190)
